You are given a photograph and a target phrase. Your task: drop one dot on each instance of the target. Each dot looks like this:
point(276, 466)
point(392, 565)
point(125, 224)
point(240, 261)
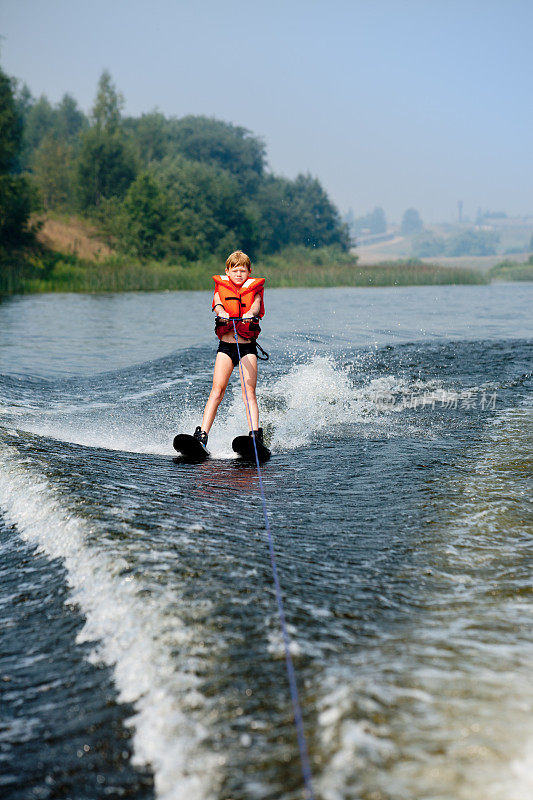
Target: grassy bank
point(297, 267)
point(301, 267)
point(117, 274)
point(512, 271)
point(71, 254)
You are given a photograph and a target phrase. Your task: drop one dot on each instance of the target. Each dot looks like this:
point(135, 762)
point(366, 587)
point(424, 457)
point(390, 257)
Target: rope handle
point(237, 319)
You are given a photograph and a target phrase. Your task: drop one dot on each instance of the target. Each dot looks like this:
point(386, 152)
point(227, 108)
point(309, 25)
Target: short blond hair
point(239, 259)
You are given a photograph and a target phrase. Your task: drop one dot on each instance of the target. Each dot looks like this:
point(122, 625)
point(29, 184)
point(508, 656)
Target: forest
point(174, 189)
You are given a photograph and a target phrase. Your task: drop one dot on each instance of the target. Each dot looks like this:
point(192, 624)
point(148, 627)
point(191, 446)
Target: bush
point(427, 244)
point(512, 271)
point(473, 243)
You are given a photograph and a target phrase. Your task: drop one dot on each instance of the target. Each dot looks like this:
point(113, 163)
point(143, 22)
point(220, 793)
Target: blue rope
point(302, 744)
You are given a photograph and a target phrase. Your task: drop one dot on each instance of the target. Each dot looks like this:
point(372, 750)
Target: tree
point(377, 221)
point(319, 221)
point(39, 123)
point(145, 217)
point(106, 163)
point(70, 121)
point(23, 100)
point(273, 204)
point(411, 222)
point(207, 210)
point(150, 136)
point(222, 144)
point(52, 165)
point(107, 105)
point(105, 167)
point(298, 212)
point(14, 190)
point(15, 207)
point(374, 223)
point(41, 120)
point(10, 126)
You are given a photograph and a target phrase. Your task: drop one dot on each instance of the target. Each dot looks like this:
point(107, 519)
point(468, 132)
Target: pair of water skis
point(193, 450)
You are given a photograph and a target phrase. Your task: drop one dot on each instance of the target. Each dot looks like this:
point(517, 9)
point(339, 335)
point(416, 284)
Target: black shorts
point(230, 349)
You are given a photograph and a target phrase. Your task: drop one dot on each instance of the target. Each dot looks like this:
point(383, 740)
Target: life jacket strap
point(265, 355)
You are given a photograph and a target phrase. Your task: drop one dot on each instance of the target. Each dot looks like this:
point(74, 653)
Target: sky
point(391, 103)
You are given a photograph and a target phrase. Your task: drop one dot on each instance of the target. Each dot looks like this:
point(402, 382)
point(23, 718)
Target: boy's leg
point(221, 376)
point(249, 370)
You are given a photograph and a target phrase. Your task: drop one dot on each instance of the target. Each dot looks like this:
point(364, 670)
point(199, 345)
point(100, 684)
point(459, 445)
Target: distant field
point(369, 256)
point(481, 263)
point(401, 248)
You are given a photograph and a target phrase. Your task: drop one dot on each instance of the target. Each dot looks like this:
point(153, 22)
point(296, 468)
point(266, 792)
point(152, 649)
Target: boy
point(239, 295)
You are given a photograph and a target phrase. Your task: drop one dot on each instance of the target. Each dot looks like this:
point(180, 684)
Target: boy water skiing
point(239, 295)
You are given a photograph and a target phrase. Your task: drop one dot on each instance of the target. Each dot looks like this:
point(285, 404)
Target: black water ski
point(244, 446)
point(190, 448)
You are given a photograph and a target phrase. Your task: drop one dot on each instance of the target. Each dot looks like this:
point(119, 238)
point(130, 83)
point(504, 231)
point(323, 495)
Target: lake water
point(141, 653)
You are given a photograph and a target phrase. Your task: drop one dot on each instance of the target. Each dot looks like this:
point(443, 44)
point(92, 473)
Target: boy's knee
point(217, 393)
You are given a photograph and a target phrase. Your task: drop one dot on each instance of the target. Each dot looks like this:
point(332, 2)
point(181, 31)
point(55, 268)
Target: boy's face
point(238, 274)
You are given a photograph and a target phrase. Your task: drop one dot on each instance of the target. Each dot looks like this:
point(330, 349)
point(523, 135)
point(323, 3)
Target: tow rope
point(298, 721)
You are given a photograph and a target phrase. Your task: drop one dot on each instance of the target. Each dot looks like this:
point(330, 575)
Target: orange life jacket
point(237, 300)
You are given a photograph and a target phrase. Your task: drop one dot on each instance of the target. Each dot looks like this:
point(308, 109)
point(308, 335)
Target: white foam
point(309, 399)
point(315, 397)
point(134, 634)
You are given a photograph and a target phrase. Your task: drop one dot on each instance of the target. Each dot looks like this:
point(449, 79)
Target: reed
point(290, 273)
point(297, 267)
point(116, 274)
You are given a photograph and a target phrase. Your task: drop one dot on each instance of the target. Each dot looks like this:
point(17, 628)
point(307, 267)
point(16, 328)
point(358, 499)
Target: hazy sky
point(395, 103)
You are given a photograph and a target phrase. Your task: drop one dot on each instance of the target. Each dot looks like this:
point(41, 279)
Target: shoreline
point(53, 272)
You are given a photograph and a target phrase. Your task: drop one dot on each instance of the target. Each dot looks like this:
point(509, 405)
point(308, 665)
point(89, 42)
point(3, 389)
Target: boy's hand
point(223, 315)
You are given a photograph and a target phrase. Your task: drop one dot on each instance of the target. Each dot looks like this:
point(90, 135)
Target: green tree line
point(166, 188)
point(469, 242)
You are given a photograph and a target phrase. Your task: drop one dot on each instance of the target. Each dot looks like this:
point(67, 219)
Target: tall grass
point(298, 266)
point(512, 271)
point(12, 280)
point(117, 275)
point(329, 267)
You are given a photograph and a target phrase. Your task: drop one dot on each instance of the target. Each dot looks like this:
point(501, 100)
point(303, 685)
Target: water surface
point(142, 654)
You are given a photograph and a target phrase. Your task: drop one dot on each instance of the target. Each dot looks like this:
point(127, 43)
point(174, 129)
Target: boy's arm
point(254, 310)
point(218, 308)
